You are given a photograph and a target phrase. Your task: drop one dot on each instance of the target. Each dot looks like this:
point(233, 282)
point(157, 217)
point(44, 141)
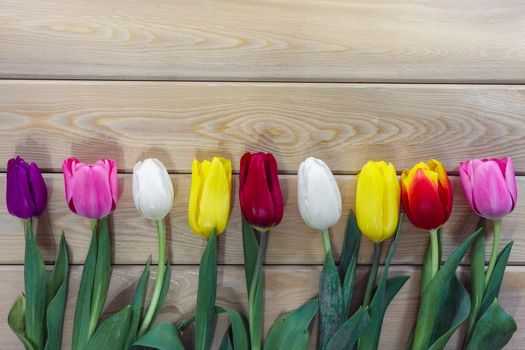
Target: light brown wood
point(358, 40)
point(343, 124)
point(286, 288)
point(292, 242)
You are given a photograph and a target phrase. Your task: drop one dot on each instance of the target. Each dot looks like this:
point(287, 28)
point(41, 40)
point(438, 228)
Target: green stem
point(326, 241)
point(495, 248)
point(435, 252)
point(373, 274)
point(161, 233)
point(93, 316)
point(254, 305)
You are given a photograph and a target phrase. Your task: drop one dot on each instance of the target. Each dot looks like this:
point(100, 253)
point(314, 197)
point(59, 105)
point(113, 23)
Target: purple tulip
point(26, 193)
point(490, 186)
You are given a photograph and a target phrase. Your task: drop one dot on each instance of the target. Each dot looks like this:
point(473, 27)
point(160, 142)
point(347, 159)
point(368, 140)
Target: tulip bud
point(209, 207)
point(490, 186)
point(318, 195)
point(152, 189)
point(377, 200)
point(26, 192)
point(426, 195)
point(91, 189)
point(259, 190)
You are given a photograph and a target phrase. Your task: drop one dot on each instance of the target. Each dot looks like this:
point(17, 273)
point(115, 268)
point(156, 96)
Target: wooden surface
point(134, 238)
point(344, 124)
point(338, 40)
point(342, 80)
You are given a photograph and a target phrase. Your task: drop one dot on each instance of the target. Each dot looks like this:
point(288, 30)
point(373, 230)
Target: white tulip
point(152, 189)
point(318, 194)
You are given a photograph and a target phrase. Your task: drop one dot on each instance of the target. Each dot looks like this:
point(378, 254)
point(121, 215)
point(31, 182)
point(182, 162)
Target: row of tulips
point(424, 193)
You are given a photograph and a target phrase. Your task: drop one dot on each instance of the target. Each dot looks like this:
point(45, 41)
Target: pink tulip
point(490, 186)
point(91, 189)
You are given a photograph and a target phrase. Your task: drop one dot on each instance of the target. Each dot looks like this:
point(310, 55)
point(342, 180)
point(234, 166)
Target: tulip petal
point(425, 206)
point(18, 193)
point(152, 189)
point(215, 199)
point(510, 178)
point(68, 169)
point(195, 196)
point(466, 181)
point(490, 194)
point(38, 189)
point(275, 188)
point(256, 200)
point(318, 194)
point(91, 190)
point(369, 201)
point(391, 197)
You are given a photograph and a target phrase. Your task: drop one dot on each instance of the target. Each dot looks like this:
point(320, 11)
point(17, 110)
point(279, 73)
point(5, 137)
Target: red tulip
point(426, 195)
point(259, 191)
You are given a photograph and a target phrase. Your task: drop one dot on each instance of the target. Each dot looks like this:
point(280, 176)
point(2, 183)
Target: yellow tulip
point(209, 206)
point(377, 200)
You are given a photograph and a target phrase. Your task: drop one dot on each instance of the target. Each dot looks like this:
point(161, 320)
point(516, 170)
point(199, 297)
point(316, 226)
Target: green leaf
point(57, 295)
point(111, 334)
point(331, 304)
point(226, 343)
point(348, 286)
point(348, 264)
point(435, 295)
point(477, 274)
point(385, 293)
point(351, 243)
point(238, 327)
point(347, 335)
point(16, 321)
point(493, 330)
point(102, 272)
point(494, 285)
point(163, 336)
point(60, 270)
point(250, 247)
point(55, 318)
point(206, 293)
point(83, 306)
point(164, 290)
point(138, 304)
point(35, 289)
point(290, 331)
point(454, 311)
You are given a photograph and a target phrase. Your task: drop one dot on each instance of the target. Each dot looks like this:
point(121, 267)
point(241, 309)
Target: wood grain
point(358, 40)
point(292, 242)
point(286, 288)
point(343, 124)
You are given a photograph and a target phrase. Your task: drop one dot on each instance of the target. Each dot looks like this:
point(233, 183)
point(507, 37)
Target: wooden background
point(342, 80)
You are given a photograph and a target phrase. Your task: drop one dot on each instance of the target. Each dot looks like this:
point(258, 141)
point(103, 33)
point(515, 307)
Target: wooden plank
point(292, 242)
point(358, 40)
point(344, 124)
point(286, 288)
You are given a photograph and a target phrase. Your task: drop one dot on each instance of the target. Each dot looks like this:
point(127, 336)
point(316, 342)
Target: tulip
point(152, 189)
point(26, 191)
point(426, 195)
point(490, 186)
point(318, 195)
point(377, 200)
point(153, 197)
point(259, 191)
point(209, 206)
point(91, 189)
point(491, 191)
